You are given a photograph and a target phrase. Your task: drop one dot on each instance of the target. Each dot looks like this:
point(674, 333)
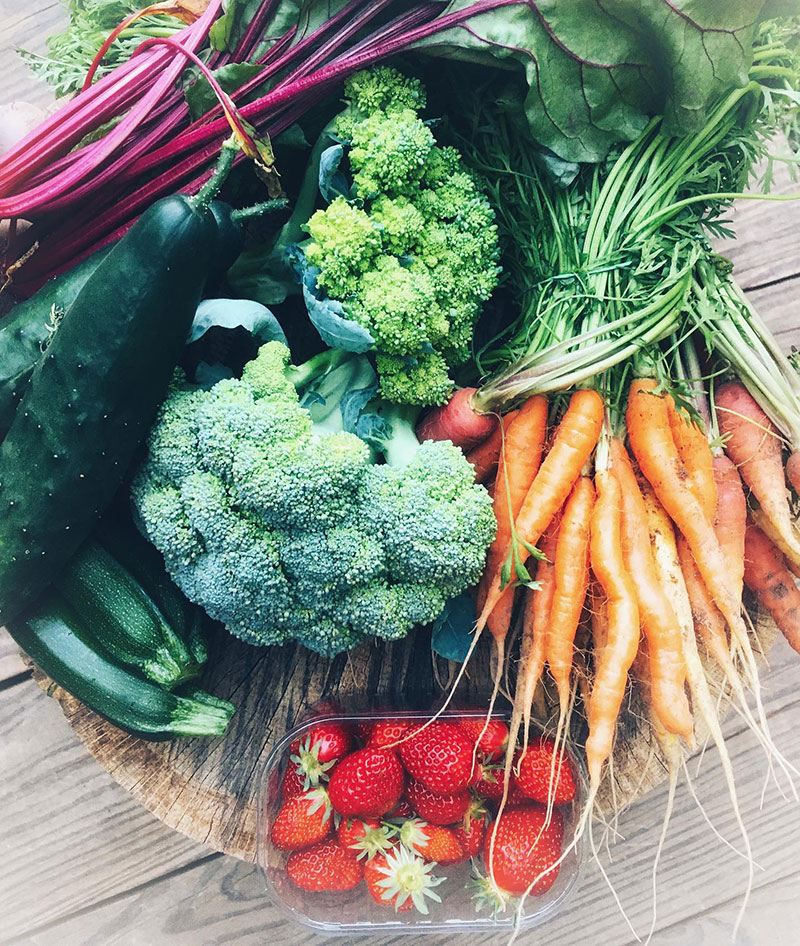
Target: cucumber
point(27, 328)
point(120, 617)
point(52, 636)
point(93, 396)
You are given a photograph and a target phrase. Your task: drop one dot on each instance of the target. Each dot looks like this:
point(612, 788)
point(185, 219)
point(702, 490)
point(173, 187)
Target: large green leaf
point(598, 69)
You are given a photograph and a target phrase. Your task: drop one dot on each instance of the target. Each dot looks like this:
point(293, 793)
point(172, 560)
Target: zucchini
point(93, 396)
point(119, 616)
point(53, 637)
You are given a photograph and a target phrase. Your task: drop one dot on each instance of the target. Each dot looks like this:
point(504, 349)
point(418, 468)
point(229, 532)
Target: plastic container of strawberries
point(355, 911)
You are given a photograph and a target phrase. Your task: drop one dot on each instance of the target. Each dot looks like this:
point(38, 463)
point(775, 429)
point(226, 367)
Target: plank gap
point(15, 680)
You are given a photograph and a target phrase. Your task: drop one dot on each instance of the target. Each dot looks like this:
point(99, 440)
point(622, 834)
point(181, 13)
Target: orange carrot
point(615, 659)
point(516, 469)
point(696, 456)
point(766, 574)
point(730, 519)
point(659, 621)
point(484, 458)
point(766, 525)
point(793, 470)
point(571, 583)
point(754, 445)
point(708, 622)
point(651, 440)
point(575, 439)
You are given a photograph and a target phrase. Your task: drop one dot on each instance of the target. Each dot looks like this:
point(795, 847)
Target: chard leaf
point(199, 96)
point(453, 630)
point(596, 72)
point(226, 32)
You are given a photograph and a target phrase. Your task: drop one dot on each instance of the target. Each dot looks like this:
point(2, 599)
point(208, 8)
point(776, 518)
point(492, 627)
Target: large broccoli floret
point(413, 255)
point(284, 525)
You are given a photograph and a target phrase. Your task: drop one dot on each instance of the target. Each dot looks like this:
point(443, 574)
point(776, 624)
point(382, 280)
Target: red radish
point(326, 866)
point(440, 757)
point(541, 776)
point(766, 574)
point(365, 836)
point(437, 809)
point(302, 821)
point(368, 782)
point(401, 880)
point(457, 421)
point(525, 846)
point(491, 738)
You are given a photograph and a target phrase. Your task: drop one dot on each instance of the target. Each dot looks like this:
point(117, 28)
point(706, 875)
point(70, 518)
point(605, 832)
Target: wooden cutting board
point(207, 789)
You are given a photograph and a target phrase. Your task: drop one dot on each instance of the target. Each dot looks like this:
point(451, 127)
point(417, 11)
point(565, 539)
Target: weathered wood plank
point(223, 902)
point(69, 835)
point(26, 26)
point(11, 663)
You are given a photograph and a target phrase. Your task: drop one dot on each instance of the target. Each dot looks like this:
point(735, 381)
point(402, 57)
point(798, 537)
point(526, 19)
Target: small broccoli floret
point(285, 531)
point(417, 257)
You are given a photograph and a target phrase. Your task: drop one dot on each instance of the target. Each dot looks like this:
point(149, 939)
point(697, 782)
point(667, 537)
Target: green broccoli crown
point(415, 255)
point(285, 533)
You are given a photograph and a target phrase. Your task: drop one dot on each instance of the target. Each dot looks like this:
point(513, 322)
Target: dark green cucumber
point(92, 397)
point(27, 328)
point(120, 617)
point(52, 636)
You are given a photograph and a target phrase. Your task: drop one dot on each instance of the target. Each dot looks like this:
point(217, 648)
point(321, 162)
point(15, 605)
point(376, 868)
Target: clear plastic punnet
point(355, 911)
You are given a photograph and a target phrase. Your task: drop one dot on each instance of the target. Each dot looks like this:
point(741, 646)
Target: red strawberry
point(293, 782)
point(437, 809)
point(317, 751)
point(368, 782)
point(403, 810)
point(440, 757)
point(302, 821)
point(490, 781)
point(363, 728)
point(532, 773)
point(325, 866)
point(365, 836)
point(431, 841)
point(524, 848)
point(492, 742)
point(470, 836)
point(402, 880)
point(386, 732)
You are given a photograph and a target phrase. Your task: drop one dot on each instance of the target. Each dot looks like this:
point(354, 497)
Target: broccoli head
point(414, 254)
point(282, 525)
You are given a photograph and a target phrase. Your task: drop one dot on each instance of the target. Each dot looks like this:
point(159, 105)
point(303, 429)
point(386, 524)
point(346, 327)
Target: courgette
point(53, 637)
point(93, 396)
point(119, 616)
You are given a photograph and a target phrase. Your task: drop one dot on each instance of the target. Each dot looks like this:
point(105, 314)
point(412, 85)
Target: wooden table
point(82, 864)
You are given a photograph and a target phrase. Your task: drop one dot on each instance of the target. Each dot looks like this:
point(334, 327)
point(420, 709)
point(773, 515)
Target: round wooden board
point(207, 789)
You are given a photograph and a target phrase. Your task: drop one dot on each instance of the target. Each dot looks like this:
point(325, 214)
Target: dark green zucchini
point(93, 396)
point(27, 328)
point(119, 616)
point(53, 637)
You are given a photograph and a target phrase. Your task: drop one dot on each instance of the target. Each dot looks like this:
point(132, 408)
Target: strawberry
point(387, 732)
point(302, 821)
point(524, 848)
point(402, 880)
point(368, 782)
point(293, 782)
point(469, 833)
point(365, 836)
point(440, 757)
point(532, 774)
point(325, 866)
point(363, 728)
point(402, 811)
point(437, 809)
point(492, 742)
point(489, 783)
point(318, 750)
point(432, 841)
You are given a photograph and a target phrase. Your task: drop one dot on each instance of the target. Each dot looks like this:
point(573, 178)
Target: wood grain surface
point(85, 865)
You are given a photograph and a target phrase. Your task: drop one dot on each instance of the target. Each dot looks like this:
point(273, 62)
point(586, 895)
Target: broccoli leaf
point(368, 425)
point(453, 630)
point(596, 72)
point(328, 316)
point(332, 182)
point(236, 313)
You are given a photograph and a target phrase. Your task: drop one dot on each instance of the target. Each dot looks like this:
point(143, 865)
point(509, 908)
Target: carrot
point(615, 659)
point(766, 574)
point(793, 470)
point(651, 441)
point(484, 458)
point(571, 583)
point(458, 421)
point(730, 519)
point(659, 623)
point(695, 453)
point(575, 439)
point(708, 622)
point(754, 445)
point(759, 518)
point(516, 469)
